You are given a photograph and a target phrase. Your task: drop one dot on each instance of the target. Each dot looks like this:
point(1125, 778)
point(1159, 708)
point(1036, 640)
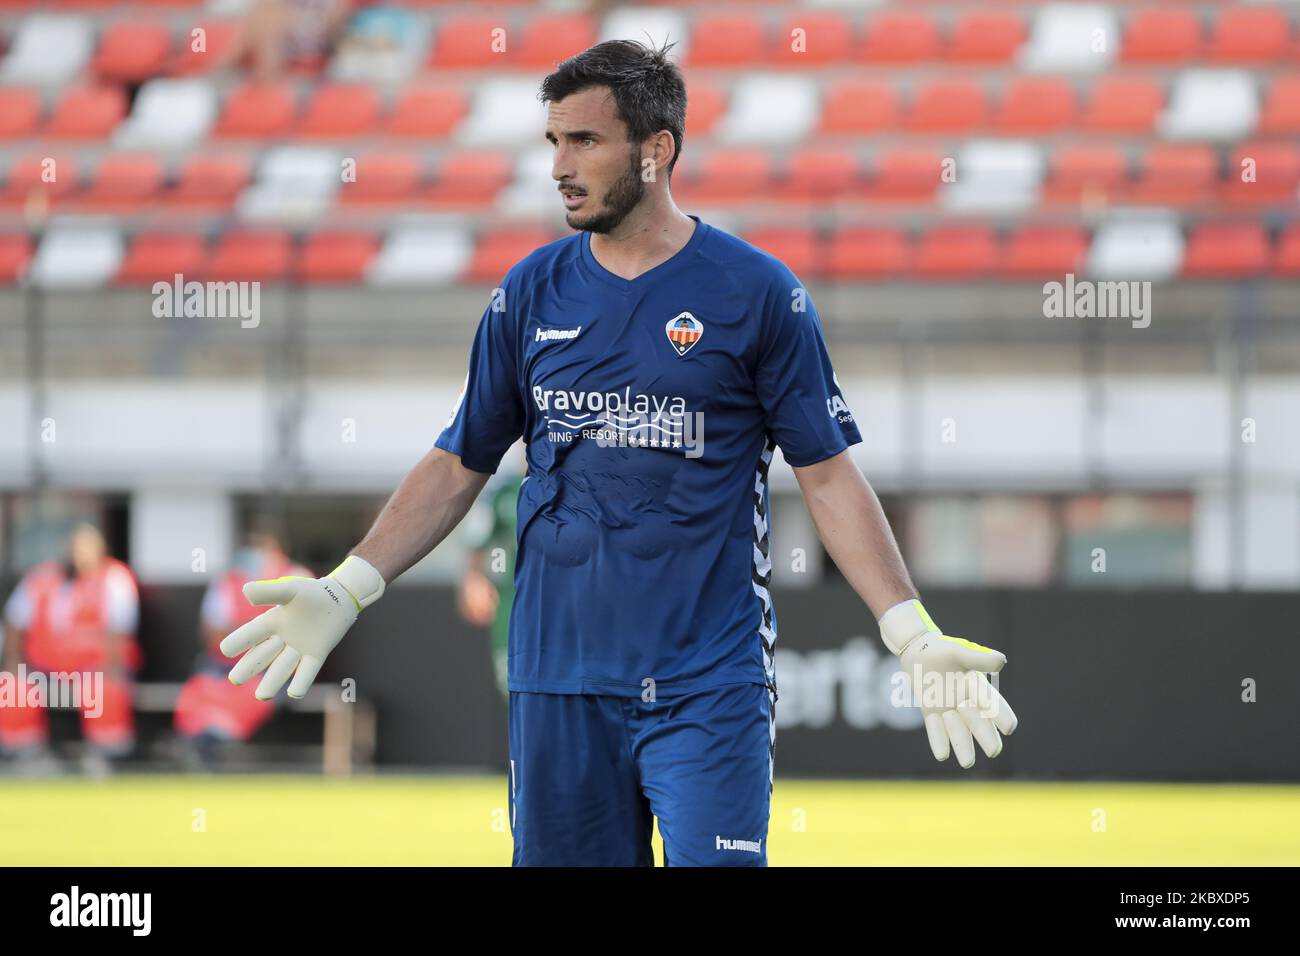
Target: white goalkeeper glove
point(311, 618)
point(946, 676)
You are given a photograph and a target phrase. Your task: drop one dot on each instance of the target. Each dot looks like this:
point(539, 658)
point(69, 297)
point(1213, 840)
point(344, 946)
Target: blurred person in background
point(277, 35)
point(487, 588)
point(76, 615)
point(210, 710)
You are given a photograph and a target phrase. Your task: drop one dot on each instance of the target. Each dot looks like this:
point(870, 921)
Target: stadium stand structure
point(918, 141)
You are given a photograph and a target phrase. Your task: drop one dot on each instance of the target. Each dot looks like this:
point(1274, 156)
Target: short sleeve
point(805, 408)
point(489, 415)
point(18, 609)
point(213, 612)
point(122, 615)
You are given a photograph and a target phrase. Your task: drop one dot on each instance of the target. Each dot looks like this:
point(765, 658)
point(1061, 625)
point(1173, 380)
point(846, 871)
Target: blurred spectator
point(381, 45)
point(78, 615)
point(487, 587)
point(210, 709)
point(276, 35)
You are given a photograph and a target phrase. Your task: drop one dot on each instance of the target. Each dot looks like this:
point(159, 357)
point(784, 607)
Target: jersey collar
point(671, 264)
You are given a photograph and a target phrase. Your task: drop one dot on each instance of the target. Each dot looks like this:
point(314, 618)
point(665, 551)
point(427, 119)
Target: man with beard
point(652, 364)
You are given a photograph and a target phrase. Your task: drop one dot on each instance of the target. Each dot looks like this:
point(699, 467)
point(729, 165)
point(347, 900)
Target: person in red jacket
point(76, 616)
point(210, 709)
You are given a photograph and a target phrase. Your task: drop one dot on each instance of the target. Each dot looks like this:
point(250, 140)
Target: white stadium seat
point(781, 109)
point(658, 23)
point(995, 175)
point(1067, 37)
point(505, 112)
point(77, 255)
point(422, 255)
point(293, 182)
point(48, 49)
point(1148, 247)
point(168, 114)
point(1211, 104)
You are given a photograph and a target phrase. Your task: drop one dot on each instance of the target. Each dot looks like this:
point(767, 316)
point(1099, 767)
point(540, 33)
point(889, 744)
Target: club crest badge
point(683, 331)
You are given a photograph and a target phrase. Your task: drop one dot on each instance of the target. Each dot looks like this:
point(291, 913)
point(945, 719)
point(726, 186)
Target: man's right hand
point(294, 638)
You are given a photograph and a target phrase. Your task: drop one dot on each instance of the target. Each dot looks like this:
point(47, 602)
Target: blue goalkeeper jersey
point(650, 409)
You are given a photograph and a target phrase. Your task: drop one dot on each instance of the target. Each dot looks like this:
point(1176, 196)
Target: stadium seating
point(884, 141)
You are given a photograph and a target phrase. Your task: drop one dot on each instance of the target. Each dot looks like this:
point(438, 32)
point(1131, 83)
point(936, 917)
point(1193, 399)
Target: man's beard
point(619, 200)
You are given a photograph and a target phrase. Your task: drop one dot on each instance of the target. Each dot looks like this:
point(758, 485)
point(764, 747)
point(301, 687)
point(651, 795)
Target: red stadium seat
point(705, 104)
point(819, 173)
point(905, 174)
point(217, 38)
point(1089, 172)
point(897, 37)
point(957, 252)
point(861, 252)
point(730, 175)
point(160, 256)
point(726, 39)
point(856, 107)
point(1265, 174)
point(336, 257)
point(1036, 252)
point(1282, 108)
point(1250, 35)
point(799, 248)
point(88, 112)
point(1124, 105)
point(384, 179)
point(1226, 251)
point(1175, 175)
point(427, 113)
point(948, 106)
point(257, 111)
point(246, 256)
point(40, 178)
point(210, 181)
point(469, 178)
point(20, 113)
point(15, 254)
point(471, 41)
point(497, 251)
point(124, 182)
point(131, 52)
point(987, 37)
point(1034, 105)
point(340, 111)
point(549, 38)
point(1162, 35)
point(1286, 257)
point(824, 38)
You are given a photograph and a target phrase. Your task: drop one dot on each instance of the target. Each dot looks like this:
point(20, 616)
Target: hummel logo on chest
point(557, 335)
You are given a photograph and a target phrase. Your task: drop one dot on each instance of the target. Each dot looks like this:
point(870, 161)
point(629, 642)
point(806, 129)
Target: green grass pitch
point(453, 820)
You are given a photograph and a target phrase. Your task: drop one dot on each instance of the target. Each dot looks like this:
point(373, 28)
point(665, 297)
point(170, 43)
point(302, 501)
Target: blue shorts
point(589, 774)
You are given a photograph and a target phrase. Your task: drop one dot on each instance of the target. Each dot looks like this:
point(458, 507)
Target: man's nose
point(561, 168)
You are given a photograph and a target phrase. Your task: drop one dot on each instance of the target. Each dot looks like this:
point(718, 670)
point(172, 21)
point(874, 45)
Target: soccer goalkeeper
point(652, 363)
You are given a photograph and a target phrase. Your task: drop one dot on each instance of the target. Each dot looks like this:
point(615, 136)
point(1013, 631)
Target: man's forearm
point(431, 500)
point(853, 527)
